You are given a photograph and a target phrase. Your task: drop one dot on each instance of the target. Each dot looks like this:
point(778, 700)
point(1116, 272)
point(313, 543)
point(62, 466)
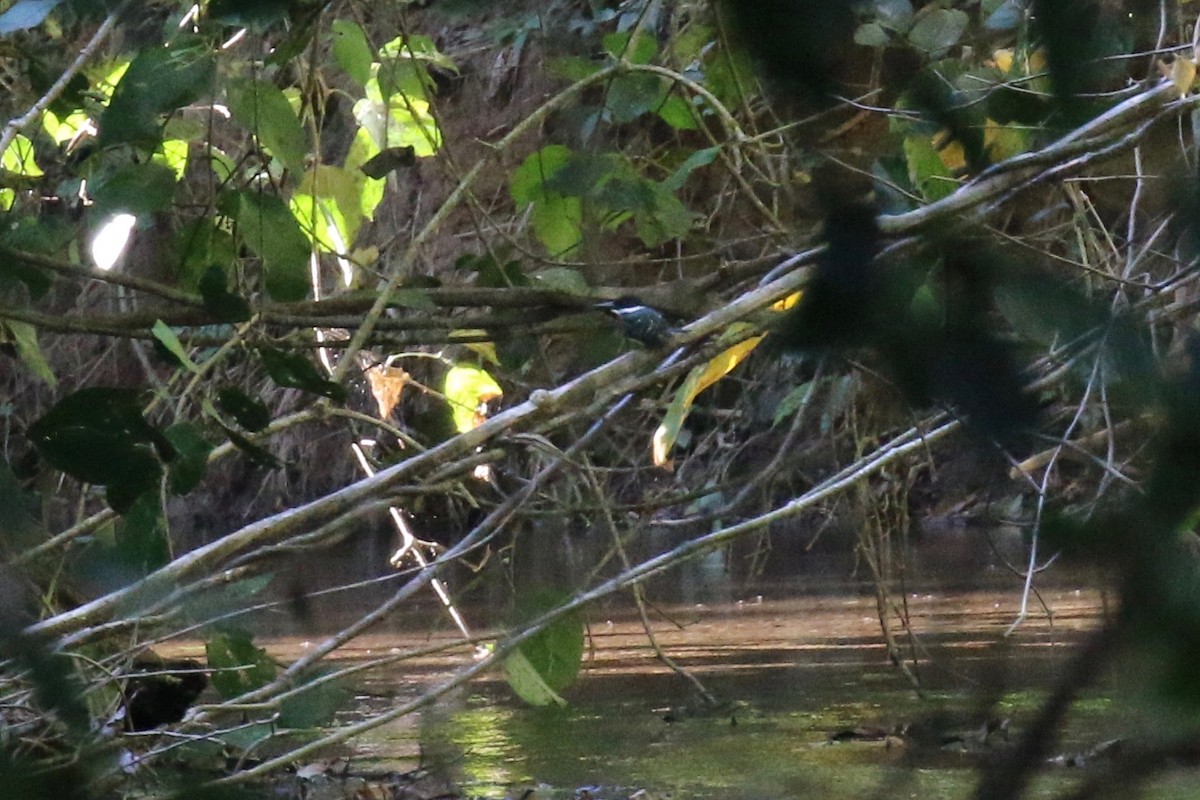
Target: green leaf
point(557, 219)
point(188, 468)
point(18, 158)
point(397, 123)
point(259, 456)
point(163, 333)
point(677, 112)
point(529, 685)
point(174, 156)
point(700, 158)
point(269, 229)
point(871, 34)
point(573, 68)
point(563, 279)
point(631, 95)
point(328, 206)
point(664, 219)
point(159, 80)
point(24, 336)
point(223, 304)
point(313, 707)
point(297, 372)
point(642, 51)
point(894, 15)
point(238, 666)
point(527, 184)
point(936, 30)
point(796, 397)
point(99, 435)
point(411, 298)
point(200, 245)
point(351, 50)
point(928, 173)
point(264, 109)
point(553, 655)
point(141, 538)
point(491, 274)
point(134, 189)
point(249, 412)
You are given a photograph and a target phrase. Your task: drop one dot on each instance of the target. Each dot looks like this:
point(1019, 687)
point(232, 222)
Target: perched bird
point(638, 321)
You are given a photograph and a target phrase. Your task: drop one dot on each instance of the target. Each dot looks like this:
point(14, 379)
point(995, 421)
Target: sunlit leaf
point(557, 219)
point(328, 206)
point(699, 379)
point(174, 156)
point(402, 120)
point(467, 389)
point(18, 158)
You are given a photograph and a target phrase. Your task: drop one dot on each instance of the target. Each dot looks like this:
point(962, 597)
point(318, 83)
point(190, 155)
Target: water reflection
point(798, 658)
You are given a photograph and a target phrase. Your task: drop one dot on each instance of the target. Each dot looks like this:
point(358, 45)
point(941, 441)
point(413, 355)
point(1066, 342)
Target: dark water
point(795, 662)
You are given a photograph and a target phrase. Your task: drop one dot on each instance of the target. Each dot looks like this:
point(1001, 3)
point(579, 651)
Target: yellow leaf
point(468, 389)
point(696, 382)
point(787, 302)
point(1181, 71)
point(1003, 141)
point(1003, 59)
point(951, 154)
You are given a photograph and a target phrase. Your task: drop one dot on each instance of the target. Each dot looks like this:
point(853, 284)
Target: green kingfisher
point(638, 321)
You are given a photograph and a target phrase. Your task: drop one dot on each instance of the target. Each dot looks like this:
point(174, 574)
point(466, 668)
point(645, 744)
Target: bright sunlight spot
point(110, 241)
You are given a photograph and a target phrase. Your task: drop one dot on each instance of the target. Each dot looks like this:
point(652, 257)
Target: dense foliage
point(272, 272)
